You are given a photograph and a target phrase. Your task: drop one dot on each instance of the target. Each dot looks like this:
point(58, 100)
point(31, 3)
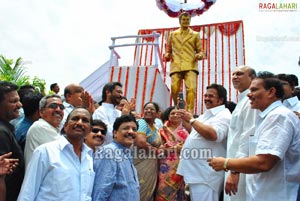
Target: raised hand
point(88, 102)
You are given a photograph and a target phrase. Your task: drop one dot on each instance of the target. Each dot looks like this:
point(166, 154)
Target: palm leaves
point(16, 72)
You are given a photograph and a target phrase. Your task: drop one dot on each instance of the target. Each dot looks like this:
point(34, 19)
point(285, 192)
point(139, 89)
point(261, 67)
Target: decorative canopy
point(173, 8)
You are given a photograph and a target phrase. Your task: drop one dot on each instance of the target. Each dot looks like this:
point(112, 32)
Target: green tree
point(40, 84)
point(15, 71)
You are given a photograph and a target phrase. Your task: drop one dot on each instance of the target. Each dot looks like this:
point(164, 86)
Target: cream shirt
point(40, 132)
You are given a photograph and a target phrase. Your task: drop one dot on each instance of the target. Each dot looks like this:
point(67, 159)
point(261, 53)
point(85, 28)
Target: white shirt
point(242, 125)
point(108, 114)
point(277, 134)
point(292, 103)
point(56, 173)
point(196, 169)
point(40, 132)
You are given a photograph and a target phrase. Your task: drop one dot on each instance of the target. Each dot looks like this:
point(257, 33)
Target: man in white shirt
point(242, 124)
point(207, 139)
point(46, 129)
point(62, 169)
point(289, 100)
point(111, 96)
point(273, 165)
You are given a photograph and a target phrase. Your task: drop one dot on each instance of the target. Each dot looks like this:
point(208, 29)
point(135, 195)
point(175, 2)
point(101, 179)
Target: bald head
point(73, 93)
point(242, 77)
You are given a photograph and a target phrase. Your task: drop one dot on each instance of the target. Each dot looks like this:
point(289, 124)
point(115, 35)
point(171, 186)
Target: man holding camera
point(207, 138)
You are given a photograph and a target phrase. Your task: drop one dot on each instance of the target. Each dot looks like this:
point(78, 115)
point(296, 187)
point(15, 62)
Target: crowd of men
point(64, 148)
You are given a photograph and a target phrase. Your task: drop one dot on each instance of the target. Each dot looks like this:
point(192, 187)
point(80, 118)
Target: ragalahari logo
point(278, 7)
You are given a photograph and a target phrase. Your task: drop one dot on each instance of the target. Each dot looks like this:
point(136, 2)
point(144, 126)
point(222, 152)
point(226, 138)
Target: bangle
point(225, 165)
point(234, 172)
point(192, 120)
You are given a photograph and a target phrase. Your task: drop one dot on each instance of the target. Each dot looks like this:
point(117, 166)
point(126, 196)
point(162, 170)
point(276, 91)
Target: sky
point(64, 41)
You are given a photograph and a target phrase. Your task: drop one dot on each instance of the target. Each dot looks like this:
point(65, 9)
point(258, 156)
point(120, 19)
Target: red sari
point(170, 185)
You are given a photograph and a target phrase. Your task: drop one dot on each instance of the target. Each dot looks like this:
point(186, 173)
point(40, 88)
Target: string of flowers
point(173, 8)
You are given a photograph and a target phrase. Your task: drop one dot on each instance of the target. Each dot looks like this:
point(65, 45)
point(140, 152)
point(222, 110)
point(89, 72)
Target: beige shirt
point(39, 133)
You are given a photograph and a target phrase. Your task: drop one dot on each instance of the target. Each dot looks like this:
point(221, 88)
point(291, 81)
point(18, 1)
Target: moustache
point(57, 112)
point(208, 101)
point(99, 136)
point(129, 135)
point(81, 127)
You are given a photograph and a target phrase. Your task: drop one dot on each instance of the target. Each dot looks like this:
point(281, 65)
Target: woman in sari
point(170, 185)
point(147, 142)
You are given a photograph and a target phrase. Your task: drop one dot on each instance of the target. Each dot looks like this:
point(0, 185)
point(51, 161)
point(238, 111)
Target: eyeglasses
point(96, 130)
point(55, 105)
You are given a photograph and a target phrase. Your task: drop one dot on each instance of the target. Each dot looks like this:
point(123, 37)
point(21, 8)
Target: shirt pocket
point(252, 144)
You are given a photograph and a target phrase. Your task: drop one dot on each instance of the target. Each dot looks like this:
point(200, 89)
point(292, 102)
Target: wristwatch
point(192, 120)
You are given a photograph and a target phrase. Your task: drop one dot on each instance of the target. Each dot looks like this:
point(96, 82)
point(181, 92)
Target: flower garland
point(173, 8)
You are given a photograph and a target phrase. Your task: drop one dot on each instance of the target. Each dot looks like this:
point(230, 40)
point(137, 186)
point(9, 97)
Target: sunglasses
point(55, 105)
point(96, 130)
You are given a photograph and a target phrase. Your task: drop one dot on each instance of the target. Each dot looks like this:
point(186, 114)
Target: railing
point(155, 43)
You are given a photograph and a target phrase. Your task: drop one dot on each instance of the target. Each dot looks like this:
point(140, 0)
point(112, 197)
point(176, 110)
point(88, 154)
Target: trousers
point(190, 81)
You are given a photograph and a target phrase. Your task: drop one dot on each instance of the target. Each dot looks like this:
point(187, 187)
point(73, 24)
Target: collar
point(108, 105)
point(243, 94)
point(291, 101)
point(271, 107)
point(185, 31)
point(119, 146)
point(127, 152)
point(68, 105)
point(63, 143)
point(216, 110)
point(43, 120)
point(8, 125)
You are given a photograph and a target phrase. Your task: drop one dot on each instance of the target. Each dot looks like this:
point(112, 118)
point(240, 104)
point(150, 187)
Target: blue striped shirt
point(116, 177)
